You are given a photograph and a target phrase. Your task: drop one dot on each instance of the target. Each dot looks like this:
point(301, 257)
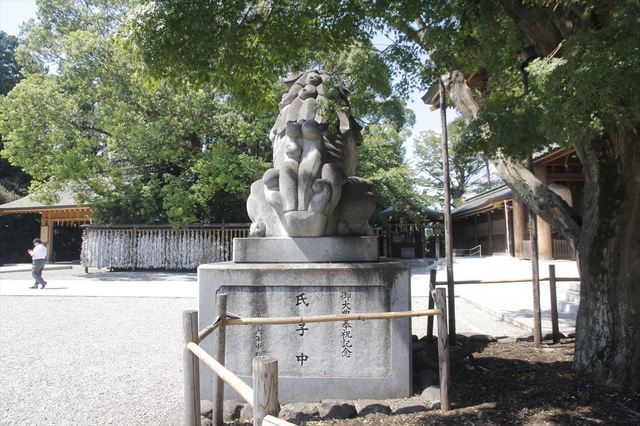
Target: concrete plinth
point(305, 249)
point(334, 360)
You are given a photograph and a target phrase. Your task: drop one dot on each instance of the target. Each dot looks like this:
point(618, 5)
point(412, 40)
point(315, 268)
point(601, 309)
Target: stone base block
point(305, 249)
point(316, 361)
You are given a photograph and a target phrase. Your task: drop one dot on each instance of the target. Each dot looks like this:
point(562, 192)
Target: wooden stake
point(265, 388)
point(447, 214)
point(555, 329)
point(218, 390)
point(432, 287)
point(191, 368)
point(506, 228)
point(443, 349)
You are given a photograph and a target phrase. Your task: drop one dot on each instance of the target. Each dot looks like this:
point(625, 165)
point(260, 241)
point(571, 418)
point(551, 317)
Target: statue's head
point(315, 143)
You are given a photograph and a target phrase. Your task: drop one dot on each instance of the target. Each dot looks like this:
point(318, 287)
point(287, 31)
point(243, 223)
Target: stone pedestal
point(305, 249)
point(334, 360)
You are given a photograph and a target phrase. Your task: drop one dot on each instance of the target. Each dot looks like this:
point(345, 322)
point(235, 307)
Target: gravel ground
point(114, 360)
point(90, 361)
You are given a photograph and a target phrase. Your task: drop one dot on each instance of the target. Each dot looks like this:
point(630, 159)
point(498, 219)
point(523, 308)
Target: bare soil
point(518, 383)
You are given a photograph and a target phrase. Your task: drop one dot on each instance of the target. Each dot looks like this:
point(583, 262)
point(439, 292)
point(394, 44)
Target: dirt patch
point(518, 383)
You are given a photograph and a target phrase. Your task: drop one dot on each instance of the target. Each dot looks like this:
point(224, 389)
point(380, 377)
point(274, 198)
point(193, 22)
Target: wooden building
point(498, 221)
point(59, 223)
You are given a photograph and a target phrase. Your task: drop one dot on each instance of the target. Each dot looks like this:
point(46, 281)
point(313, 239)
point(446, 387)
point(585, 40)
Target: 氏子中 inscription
point(336, 349)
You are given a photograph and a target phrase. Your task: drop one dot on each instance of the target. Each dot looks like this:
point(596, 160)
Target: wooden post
point(554, 304)
point(506, 228)
point(535, 273)
point(490, 231)
point(191, 369)
point(443, 349)
point(265, 388)
point(432, 287)
point(447, 214)
point(217, 415)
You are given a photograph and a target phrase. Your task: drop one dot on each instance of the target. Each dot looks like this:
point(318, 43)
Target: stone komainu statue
point(311, 190)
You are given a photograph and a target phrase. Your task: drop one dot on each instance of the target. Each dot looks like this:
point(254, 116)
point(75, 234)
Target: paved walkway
point(511, 302)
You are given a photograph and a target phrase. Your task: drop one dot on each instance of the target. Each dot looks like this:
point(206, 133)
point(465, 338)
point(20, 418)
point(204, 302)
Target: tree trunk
point(608, 323)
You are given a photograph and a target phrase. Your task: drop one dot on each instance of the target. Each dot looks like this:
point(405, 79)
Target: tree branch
point(536, 24)
point(95, 129)
point(536, 196)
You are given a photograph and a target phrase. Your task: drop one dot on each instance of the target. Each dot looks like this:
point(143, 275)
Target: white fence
point(158, 247)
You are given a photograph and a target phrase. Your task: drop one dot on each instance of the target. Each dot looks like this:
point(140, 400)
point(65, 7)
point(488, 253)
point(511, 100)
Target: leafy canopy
point(152, 150)
point(13, 181)
point(140, 150)
point(588, 85)
point(469, 173)
point(381, 160)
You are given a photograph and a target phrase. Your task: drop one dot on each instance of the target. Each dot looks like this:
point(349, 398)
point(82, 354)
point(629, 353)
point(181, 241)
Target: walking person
point(38, 256)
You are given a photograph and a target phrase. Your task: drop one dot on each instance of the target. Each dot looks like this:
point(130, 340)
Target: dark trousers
point(36, 271)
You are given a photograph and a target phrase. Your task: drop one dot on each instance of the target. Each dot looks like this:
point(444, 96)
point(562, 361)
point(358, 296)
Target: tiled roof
point(65, 200)
point(482, 201)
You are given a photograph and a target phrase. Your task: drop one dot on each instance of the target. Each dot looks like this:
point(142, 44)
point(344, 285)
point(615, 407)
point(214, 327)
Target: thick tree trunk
point(608, 323)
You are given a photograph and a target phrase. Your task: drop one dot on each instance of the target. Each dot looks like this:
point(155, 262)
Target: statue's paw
point(258, 229)
point(321, 197)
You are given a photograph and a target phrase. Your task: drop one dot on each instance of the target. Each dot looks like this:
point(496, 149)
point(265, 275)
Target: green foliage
point(13, 181)
point(367, 76)
point(138, 149)
point(589, 86)
point(467, 170)
point(240, 46)
point(381, 160)
point(9, 69)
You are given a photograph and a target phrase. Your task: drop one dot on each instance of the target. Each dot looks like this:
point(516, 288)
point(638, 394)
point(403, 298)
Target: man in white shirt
point(38, 256)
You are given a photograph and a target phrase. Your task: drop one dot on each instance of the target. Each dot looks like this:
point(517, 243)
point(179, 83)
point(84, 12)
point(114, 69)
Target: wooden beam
point(331, 318)
point(229, 378)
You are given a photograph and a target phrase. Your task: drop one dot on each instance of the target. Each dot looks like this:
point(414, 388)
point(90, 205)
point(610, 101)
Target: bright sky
point(15, 12)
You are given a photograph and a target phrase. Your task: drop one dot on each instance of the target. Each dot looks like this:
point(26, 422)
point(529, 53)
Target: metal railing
point(473, 251)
